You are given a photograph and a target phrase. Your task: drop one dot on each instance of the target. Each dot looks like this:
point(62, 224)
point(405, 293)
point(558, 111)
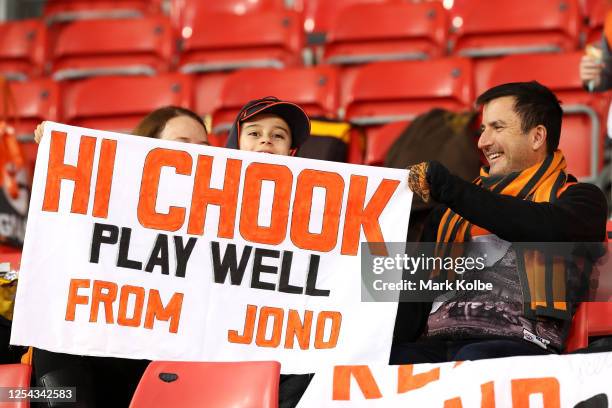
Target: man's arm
point(579, 215)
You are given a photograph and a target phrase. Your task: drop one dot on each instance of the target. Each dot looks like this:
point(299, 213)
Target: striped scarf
point(542, 276)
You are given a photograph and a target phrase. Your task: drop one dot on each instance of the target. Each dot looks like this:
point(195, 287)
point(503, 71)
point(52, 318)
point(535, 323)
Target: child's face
point(265, 133)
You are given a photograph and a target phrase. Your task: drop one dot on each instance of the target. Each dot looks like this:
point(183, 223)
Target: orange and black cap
point(296, 118)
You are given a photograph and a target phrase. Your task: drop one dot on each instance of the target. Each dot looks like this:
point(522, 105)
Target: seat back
point(415, 88)
point(390, 31)
point(22, 49)
point(142, 46)
point(319, 14)
point(592, 318)
point(213, 385)
point(184, 12)
point(34, 101)
point(119, 103)
point(583, 132)
point(494, 28)
point(380, 140)
point(224, 42)
point(15, 376)
point(314, 89)
point(596, 15)
point(61, 11)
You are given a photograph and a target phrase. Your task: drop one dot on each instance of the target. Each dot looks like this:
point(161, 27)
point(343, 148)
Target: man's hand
point(431, 180)
point(590, 70)
point(417, 180)
point(38, 133)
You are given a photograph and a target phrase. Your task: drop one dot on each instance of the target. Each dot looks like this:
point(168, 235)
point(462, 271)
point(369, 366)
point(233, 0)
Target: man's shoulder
point(583, 190)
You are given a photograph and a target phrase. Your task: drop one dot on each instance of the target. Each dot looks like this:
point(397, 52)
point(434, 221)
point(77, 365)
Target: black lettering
point(124, 246)
point(99, 238)
point(182, 254)
point(311, 280)
point(220, 268)
point(259, 268)
point(159, 255)
point(283, 284)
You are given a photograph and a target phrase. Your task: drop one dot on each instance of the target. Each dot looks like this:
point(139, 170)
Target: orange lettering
point(156, 310)
point(407, 381)
point(336, 319)
point(203, 196)
point(547, 386)
point(488, 395)
point(104, 181)
point(122, 318)
point(74, 298)
point(300, 330)
point(453, 403)
point(364, 378)
point(108, 297)
point(324, 241)
point(249, 325)
point(155, 160)
point(277, 321)
point(58, 171)
point(282, 177)
point(358, 216)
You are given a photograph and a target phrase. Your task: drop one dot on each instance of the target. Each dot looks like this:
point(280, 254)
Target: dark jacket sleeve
point(579, 214)
point(606, 74)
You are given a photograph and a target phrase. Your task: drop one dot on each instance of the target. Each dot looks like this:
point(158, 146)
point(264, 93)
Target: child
point(269, 125)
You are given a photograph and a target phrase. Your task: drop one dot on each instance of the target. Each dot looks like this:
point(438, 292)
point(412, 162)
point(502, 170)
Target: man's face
point(265, 133)
point(503, 142)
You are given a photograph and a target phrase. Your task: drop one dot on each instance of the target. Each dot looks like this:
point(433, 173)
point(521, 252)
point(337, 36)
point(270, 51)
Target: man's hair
point(535, 105)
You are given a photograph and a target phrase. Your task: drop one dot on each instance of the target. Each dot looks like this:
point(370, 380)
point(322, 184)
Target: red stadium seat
point(314, 89)
point(415, 87)
point(502, 27)
point(141, 46)
point(394, 31)
point(31, 103)
point(207, 91)
point(596, 17)
point(592, 318)
point(21, 49)
point(58, 11)
point(15, 376)
point(583, 131)
point(34, 101)
point(119, 103)
point(224, 42)
point(183, 12)
point(380, 140)
point(487, 29)
point(271, 39)
point(213, 385)
point(319, 14)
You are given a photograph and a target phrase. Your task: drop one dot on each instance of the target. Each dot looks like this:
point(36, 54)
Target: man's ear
point(538, 137)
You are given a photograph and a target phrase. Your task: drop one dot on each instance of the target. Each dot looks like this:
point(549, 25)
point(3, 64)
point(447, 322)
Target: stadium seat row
point(318, 14)
point(380, 93)
point(220, 42)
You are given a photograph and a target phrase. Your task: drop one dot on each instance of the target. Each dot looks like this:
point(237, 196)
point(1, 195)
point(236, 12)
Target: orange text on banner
point(105, 294)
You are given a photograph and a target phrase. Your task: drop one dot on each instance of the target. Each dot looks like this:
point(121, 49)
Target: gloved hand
point(430, 180)
point(417, 180)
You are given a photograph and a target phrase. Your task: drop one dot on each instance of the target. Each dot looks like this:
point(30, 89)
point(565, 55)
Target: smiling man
point(524, 195)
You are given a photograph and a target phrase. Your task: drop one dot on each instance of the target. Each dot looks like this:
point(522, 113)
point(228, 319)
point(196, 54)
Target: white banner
point(522, 382)
point(144, 248)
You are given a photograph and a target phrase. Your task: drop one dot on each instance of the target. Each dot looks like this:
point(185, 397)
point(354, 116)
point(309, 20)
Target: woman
point(167, 123)
point(106, 381)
